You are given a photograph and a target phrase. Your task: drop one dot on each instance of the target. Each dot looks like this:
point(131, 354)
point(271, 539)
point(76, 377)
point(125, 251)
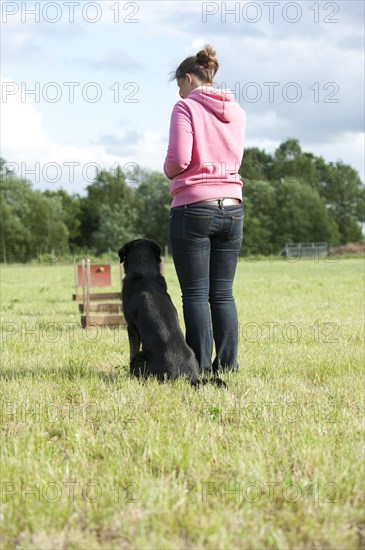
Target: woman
point(204, 155)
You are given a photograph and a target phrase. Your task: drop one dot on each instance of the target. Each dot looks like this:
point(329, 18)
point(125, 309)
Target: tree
point(259, 204)
point(45, 221)
point(71, 212)
point(117, 226)
point(13, 234)
point(256, 165)
point(338, 186)
point(288, 150)
point(109, 188)
point(154, 201)
point(301, 215)
point(290, 162)
point(29, 219)
point(14, 210)
point(343, 193)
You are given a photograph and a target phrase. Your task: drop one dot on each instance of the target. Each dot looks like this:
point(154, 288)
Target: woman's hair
point(204, 65)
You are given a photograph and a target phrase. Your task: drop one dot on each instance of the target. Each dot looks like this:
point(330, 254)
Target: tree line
point(289, 196)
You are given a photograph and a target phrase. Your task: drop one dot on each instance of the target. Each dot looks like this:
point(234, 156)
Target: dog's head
point(139, 255)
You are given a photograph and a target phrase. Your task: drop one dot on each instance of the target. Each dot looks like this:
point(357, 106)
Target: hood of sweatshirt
point(221, 102)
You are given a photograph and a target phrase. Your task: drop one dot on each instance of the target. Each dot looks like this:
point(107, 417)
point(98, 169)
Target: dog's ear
point(157, 249)
point(123, 252)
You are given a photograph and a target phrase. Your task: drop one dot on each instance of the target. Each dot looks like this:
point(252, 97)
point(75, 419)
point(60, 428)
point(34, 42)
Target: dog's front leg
point(134, 342)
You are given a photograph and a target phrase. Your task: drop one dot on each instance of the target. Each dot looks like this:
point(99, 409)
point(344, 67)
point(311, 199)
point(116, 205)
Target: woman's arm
point(180, 145)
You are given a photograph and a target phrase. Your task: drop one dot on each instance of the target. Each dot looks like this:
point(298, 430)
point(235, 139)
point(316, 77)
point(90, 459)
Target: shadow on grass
point(75, 371)
point(72, 371)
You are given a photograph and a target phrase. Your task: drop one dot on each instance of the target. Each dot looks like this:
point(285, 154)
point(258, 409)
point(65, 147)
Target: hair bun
point(207, 58)
point(203, 65)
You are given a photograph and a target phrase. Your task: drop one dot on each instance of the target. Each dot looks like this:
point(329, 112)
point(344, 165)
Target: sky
point(85, 85)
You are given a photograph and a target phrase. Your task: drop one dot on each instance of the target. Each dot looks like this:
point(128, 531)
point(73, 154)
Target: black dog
point(152, 318)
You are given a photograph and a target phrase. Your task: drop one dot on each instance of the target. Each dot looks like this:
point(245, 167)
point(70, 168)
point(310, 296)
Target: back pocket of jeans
point(235, 232)
point(196, 226)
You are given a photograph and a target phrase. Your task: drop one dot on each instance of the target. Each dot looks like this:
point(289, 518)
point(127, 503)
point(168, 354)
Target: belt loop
point(220, 203)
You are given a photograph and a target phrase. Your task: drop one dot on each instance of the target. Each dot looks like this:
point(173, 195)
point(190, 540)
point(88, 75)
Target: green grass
point(92, 459)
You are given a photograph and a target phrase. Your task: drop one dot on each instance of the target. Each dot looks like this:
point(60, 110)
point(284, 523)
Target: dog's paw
point(211, 380)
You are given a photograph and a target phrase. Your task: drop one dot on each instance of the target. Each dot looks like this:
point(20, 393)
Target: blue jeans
point(205, 242)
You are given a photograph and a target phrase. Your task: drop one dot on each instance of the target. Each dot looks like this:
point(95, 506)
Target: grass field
point(91, 459)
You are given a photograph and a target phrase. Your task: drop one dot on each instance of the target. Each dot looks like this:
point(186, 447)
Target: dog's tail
point(211, 380)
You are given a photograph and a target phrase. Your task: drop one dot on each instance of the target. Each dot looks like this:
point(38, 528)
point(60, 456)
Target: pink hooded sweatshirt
point(206, 144)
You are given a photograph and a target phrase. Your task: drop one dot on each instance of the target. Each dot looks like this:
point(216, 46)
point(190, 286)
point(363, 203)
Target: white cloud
point(22, 126)
point(31, 153)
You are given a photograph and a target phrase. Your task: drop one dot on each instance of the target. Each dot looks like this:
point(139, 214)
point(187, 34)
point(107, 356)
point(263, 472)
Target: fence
point(299, 250)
